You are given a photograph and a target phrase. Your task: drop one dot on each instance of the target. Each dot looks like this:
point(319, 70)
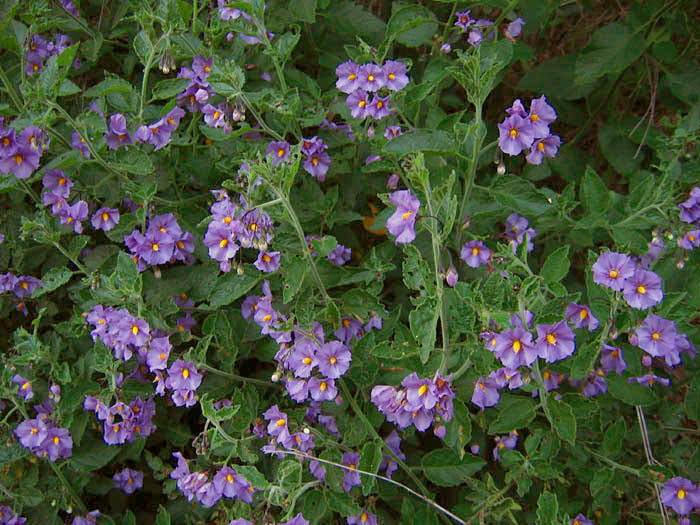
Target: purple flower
point(296, 520)
point(267, 262)
point(183, 376)
point(128, 480)
point(485, 393)
point(348, 77)
point(74, 215)
point(279, 151)
point(516, 230)
point(349, 328)
point(352, 477)
point(555, 341)
point(358, 102)
point(277, 419)
point(507, 376)
point(340, 255)
point(541, 115)
point(611, 359)
point(420, 393)
point(402, 222)
point(690, 240)
point(650, 379)
point(545, 147)
point(157, 247)
point(89, 519)
point(372, 77)
point(395, 73)
point(514, 348)
point(118, 134)
point(515, 135)
point(322, 389)
point(581, 316)
point(221, 242)
point(379, 107)
point(580, 519)
point(643, 290)
point(21, 163)
point(58, 444)
point(451, 276)
point(612, 269)
point(78, 143)
point(214, 116)
point(475, 253)
point(690, 209)
point(391, 132)
point(317, 163)
point(681, 494)
point(657, 336)
point(595, 384)
point(25, 285)
point(8, 143)
point(510, 441)
point(515, 28)
point(475, 37)
point(363, 518)
point(463, 19)
point(105, 219)
point(57, 183)
point(31, 433)
point(333, 359)
point(25, 387)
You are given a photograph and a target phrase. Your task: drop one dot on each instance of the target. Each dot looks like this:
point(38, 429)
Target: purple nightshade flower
point(510, 441)
point(544, 147)
point(595, 384)
point(31, 433)
point(8, 142)
point(475, 253)
point(302, 359)
point(214, 116)
point(690, 240)
point(183, 376)
point(690, 209)
point(185, 324)
point(115, 434)
point(517, 109)
point(33, 138)
point(57, 183)
point(220, 240)
point(580, 519)
point(475, 37)
point(74, 215)
point(657, 336)
point(463, 19)
point(541, 115)
point(278, 151)
point(349, 328)
point(21, 163)
point(348, 77)
point(515, 135)
point(446, 48)
point(322, 389)
point(515, 28)
point(555, 341)
point(317, 164)
point(451, 276)
point(340, 255)
point(298, 389)
point(158, 353)
point(681, 494)
point(515, 349)
point(611, 359)
point(333, 359)
point(363, 518)
point(379, 107)
point(58, 444)
point(507, 376)
point(118, 135)
point(89, 519)
point(128, 480)
point(25, 387)
point(420, 393)
point(105, 219)
point(551, 380)
point(485, 393)
point(372, 77)
point(352, 477)
point(643, 290)
point(207, 494)
point(183, 397)
point(267, 262)
point(78, 143)
point(650, 379)
point(391, 132)
point(277, 421)
point(358, 102)
point(612, 269)
point(25, 285)
point(516, 230)
point(296, 520)
point(395, 73)
point(581, 316)
point(157, 247)
point(402, 222)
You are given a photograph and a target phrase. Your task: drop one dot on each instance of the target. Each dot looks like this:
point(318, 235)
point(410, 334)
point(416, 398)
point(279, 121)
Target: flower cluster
point(198, 91)
point(233, 225)
point(690, 213)
point(230, 13)
point(681, 494)
point(121, 332)
point(225, 483)
point(22, 286)
point(163, 242)
point(363, 518)
point(641, 287)
point(128, 480)
point(476, 27)
point(89, 519)
point(123, 423)
point(421, 402)
point(359, 81)
point(8, 517)
point(517, 230)
point(40, 50)
point(279, 434)
point(659, 337)
point(58, 186)
point(522, 130)
point(20, 154)
point(159, 133)
point(42, 436)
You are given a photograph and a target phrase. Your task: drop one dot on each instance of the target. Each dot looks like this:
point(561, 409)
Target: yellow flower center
point(229, 478)
point(253, 227)
point(267, 318)
point(513, 133)
point(25, 385)
point(333, 360)
point(517, 346)
point(207, 69)
point(280, 152)
point(227, 220)
point(122, 137)
point(370, 78)
point(463, 19)
point(135, 330)
point(62, 181)
point(534, 117)
point(546, 375)
point(422, 390)
point(25, 285)
point(306, 360)
point(641, 289)
point(35, 67)
point(314, 161)
point(266, 258)
point(583, 314)
point(18, 159)
point(551, 339)
point(223, 243)
point(185, 373)
point(656, 336)
point(170, 120)
point(34, 430)
point(280, 422)
point(613, 274)
point(380, 104)
point(362, 103)
point(105, 216)
point(483, 388)
point(351, 465)
point(352, 76)
point(180, 245)
point(323, 386)
point(155, 247)
point(116, 428)
point(56, 440)
point(364, 517)
point(615, 354)
point(681, 492)
point(406, 215)
point(475, 251)
point(540, 146)
point(161, 356)
point(217, 114)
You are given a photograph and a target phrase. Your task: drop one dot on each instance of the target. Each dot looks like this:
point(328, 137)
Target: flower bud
point(370, 132)
point(475, 449)
point(501, 168)
point(275, 377)
point(239, 269)
point(680, 264)
point(392, 182)
point(632, 338)
point(446, 47)
point(647, 360)
point(451, 276)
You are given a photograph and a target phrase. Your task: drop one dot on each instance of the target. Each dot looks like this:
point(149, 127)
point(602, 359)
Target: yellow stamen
point(280, 152)
point(681, 492)
point(352, 76)
point(333, 360)
point(513, 133)
point(180, 245)
point(306, 360)
point(185, 373)
point(583, 314)
point(281, 422)
point(267, 318)
point(656, 336)
point(534, 117)
point(155, 247)
point(135, 330)
point(105, 216)
point(641, 289)
point(266, 258)
point(217, 114)
point(422, 390)
point(551, 339)
point(615, 354)
point(56, 440)
point(546, 374)
point(227, 220)
point(362, 103)
point(18, 159)
point(391, 76)
point(229, 478)
point(613, 274)
point(370, 78)
point(223, 243)
point(540, 146)
point(406, 215)
point(323, 386)
point(25, 385)
point(517, 346)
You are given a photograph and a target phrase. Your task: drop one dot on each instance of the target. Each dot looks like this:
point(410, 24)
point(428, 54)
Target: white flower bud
point(501, 168)
point(275, 377)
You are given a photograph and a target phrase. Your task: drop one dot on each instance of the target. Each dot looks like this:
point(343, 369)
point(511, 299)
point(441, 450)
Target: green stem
point(615, 464)
point(448, 24)
point(146, 73)
point(65, 253)
point(194, 16)
point(542, 389)
point(10, 90)
point(473, 164)
point(235, 377)
point(258, 118)
point(507, 10)
point(489, 502)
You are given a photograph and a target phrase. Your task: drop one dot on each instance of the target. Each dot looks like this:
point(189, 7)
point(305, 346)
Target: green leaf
point(231, 286)
point(163, 518)
point(135, 161)
point(692, 399)
point(435, 141)
point(289, 474)
point(12, 452)
point(411, 25)
point(514, 412)
point(555, 78)
point(68, 88)
point(557, 265)
point(423, 321)
point(618, 149)
point(108, 86)
point(293, 272)
point(612, 49)
point(325, 245)
point(342, 503)
point(370, 459)
point(562, 420)
point(520, 195)
point(444, 467)
point(547, 508)
point(360, 303)
point(143, 46)
point(305, 10)
point(594, 194)
point(169, 88)
point(459, 429)
point(127, 273)
point(53, 279)
point(614, 435)
point(630, 393)
point(351, 19)
point(583, 360)
point(93, 454)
